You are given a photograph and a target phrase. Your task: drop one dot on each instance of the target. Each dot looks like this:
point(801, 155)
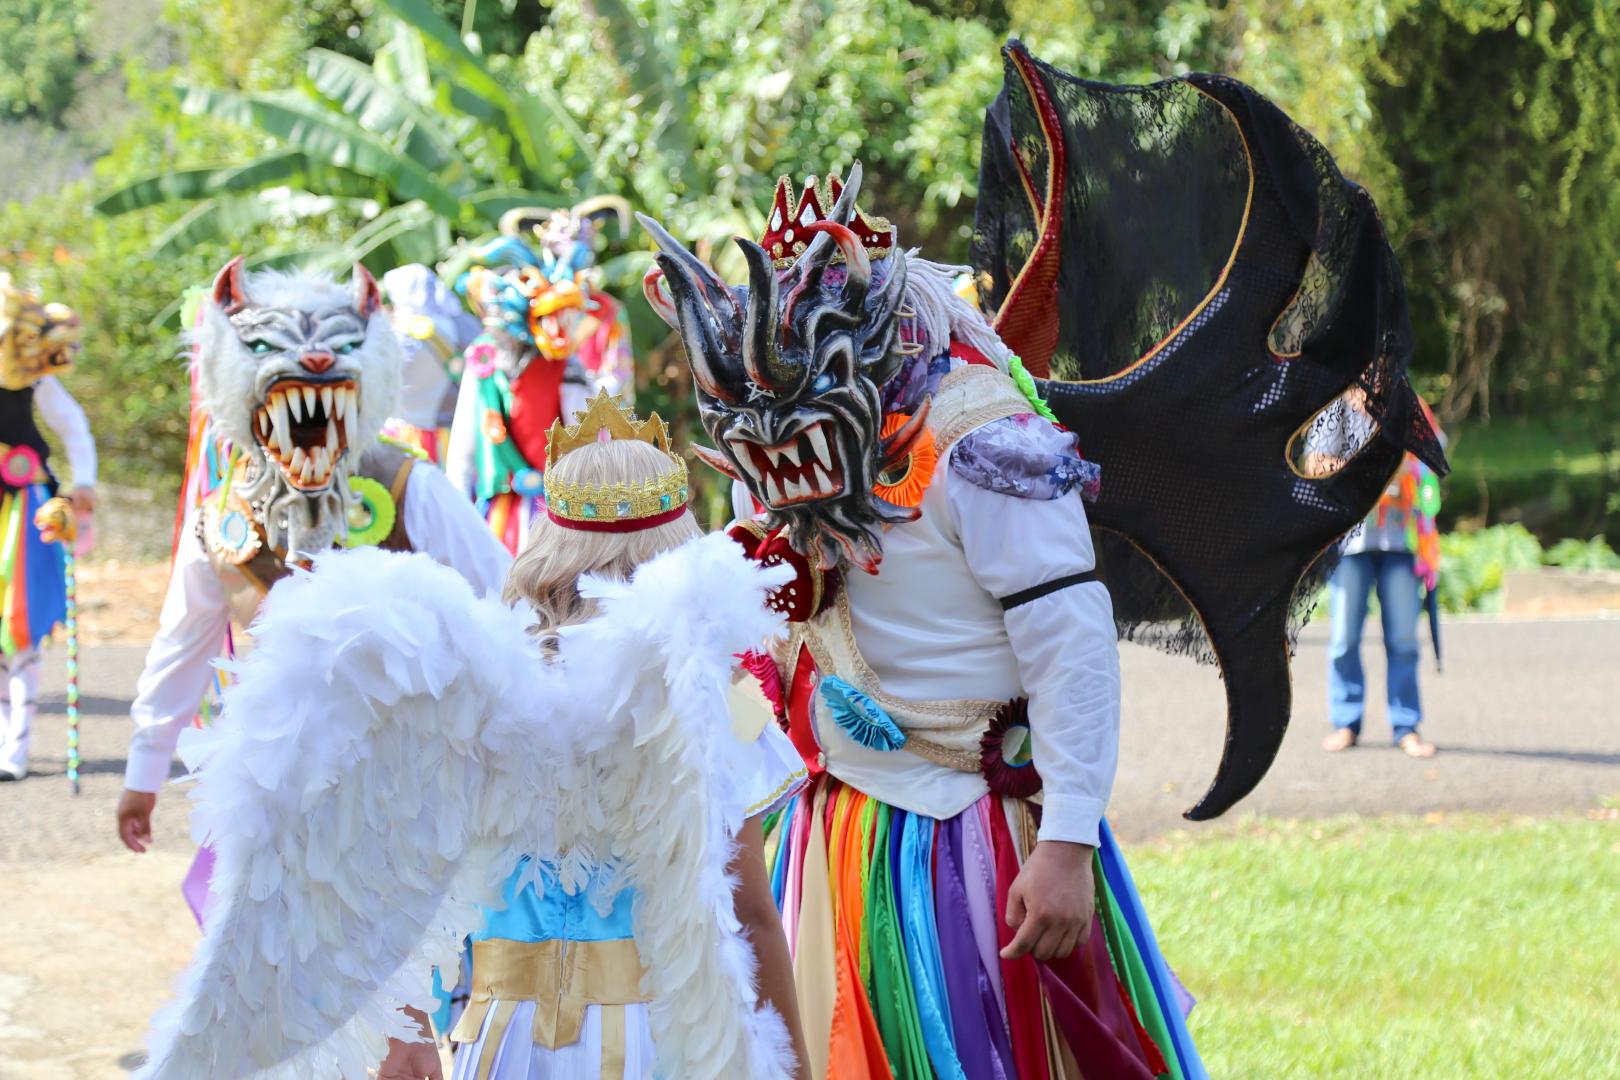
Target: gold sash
point(561, 978)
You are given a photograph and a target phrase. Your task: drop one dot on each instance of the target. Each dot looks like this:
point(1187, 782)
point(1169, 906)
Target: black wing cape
point(1204, 300)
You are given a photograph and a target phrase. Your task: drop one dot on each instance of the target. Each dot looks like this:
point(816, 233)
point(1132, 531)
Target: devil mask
point(788, 370)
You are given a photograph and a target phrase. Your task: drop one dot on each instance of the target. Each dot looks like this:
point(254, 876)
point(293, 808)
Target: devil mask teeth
point(788, 370)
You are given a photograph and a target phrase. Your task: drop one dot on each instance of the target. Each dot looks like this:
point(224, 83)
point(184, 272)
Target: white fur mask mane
point(299, 373)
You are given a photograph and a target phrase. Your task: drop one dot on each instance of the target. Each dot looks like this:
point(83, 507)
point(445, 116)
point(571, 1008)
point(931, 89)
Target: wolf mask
point(298, 373)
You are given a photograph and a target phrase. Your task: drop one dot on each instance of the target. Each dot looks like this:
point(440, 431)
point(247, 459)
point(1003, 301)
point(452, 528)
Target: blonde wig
point(546, 572)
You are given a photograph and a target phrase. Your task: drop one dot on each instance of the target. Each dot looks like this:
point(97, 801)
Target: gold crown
point(605, 420)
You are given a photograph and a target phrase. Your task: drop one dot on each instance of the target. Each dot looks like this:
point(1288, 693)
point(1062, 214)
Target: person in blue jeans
point(1378, 556)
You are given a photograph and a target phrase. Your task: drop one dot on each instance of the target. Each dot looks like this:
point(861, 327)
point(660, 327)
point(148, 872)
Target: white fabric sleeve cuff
point(1076, 819)
point(776, 775)
point(150, 753)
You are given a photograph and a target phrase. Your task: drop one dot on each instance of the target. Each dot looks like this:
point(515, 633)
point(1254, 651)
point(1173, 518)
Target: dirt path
point(94, 945)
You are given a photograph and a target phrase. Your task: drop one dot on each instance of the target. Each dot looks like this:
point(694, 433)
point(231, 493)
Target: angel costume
point(524, 1020)
point(552, 337)
point(293, 377)
point(412, 753)
point(952, 677)
point(38, 342)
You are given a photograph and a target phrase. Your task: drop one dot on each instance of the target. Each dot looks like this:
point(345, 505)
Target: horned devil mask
point(298, 373)
point(788, 371)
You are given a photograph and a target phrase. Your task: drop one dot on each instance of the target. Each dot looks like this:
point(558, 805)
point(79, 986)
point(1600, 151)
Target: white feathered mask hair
point(299, 373)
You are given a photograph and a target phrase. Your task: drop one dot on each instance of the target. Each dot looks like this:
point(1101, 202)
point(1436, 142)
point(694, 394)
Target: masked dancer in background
point(293, 376)
point(551, 337)
point(38, 343)
point(433, 329)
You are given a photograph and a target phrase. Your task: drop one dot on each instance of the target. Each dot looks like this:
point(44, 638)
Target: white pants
point(19, 695)
point(519, 1057)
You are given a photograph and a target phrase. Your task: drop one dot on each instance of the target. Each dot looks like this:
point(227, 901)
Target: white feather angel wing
point(392, 746)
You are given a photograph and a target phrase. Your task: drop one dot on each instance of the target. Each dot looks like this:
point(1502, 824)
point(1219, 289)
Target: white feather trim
point(391, 748)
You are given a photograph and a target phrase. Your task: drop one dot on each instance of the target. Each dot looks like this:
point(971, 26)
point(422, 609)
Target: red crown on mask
point(783, 240)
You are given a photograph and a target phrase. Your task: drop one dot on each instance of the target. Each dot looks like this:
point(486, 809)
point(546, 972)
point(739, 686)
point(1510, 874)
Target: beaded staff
point(71, 623)
point(57, 524)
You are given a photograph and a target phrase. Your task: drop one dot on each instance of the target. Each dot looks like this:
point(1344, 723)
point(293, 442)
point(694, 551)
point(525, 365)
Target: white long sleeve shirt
point(191, 628)
point(925, 644)
point(64, 416)
point(461, 456)
point(1065, 642)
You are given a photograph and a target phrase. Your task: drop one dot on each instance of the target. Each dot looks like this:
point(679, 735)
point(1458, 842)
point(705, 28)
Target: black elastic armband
point(1025, 596)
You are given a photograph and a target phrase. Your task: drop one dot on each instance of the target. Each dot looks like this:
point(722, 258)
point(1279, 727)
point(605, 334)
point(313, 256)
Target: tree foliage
point(42, 48)
point(393, 130)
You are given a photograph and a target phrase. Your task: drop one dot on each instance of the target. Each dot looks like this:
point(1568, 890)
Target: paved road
point(1527, 714)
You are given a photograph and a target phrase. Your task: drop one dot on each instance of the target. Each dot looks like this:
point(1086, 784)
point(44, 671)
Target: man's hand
point(83, 500)
point(1052, 901)
point(135, 819)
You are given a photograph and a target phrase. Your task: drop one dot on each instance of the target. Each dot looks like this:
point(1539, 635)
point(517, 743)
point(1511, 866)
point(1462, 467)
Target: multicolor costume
point(433, 329)
point(292, 379)
point(551, 337)
point(951, 679)
point(571, 805)
point(38, 342)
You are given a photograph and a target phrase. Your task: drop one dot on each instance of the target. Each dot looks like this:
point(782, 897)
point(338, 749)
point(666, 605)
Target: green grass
point(1446, 947)
point(1523, 447)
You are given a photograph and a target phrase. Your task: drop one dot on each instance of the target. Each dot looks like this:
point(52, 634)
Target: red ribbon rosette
point(1006, 756)
point(19, 467)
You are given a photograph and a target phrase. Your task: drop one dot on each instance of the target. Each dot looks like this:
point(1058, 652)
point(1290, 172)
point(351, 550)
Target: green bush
point(131, 376)
point(1474, 565)
point(1572, 554)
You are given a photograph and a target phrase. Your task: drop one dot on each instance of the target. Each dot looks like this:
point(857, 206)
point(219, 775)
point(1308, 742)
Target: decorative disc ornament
point(906, 482)
point(371, 514)
point(1006, 756)
point(230, 532)
point(494, 427)
point(528, 482)
point(20, 466)
point(1428, 494)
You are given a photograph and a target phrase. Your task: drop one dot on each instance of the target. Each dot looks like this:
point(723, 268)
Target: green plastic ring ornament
point(371, 514)
point(1428, 495)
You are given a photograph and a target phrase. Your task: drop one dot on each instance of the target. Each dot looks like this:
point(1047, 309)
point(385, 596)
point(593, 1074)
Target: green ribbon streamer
point(888, 981)
point(1133, 972)
point(1026, 386)
point(497, 461)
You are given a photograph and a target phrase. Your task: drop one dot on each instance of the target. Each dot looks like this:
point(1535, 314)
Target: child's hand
point(410, 1061)
point(135, 819)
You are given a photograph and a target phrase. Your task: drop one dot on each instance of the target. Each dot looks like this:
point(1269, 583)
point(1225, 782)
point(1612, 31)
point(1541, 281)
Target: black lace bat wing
point(1205, 300)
